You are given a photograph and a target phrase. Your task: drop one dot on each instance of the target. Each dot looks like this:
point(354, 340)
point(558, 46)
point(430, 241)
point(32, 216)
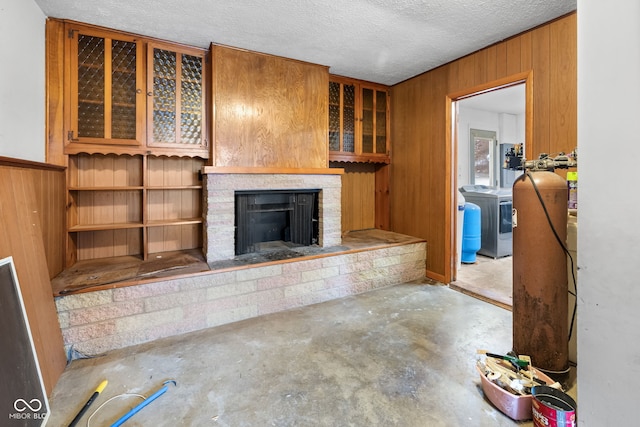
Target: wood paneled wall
point(269, 111)
point(31, 216)
point(358, 196)
point(365, 196)
point(48, 184)
point(422, 183)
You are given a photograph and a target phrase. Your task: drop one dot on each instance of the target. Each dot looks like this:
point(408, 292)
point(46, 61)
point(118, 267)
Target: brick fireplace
point(219, 207)
point(104, 320)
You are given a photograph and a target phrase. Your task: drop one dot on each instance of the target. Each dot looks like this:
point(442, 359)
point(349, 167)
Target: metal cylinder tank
point(540, 270)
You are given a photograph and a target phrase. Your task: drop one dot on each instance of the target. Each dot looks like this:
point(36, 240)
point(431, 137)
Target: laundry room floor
point(488, 279)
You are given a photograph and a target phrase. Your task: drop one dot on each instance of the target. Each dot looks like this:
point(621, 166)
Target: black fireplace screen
point(275, 215)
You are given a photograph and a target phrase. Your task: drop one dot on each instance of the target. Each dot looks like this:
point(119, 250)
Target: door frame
point(451, 144)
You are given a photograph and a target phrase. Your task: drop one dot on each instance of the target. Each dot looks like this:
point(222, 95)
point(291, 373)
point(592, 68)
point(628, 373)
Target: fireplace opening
point(265, 218)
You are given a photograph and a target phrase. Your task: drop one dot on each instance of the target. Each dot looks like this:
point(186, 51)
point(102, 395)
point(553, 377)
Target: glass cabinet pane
point(177, 98)
point(164, 96)
point(191, 100)
point(342, 117)
point(123, 89)
point(334, 116)
point(349, 118)
point(91, 86)
point(381, 122)
point(104, 79)
point(367, 120)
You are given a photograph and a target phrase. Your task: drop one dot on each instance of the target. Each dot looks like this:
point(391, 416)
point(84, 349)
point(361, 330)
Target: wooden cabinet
point(342, 117)
point(374, 119)
point(125, 94)
point(175, 87)
point(105, 103)
point(358, 121)
point(134, 139)
point(132, 205)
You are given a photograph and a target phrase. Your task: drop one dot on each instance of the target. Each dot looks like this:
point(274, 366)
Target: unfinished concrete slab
point(402, 355)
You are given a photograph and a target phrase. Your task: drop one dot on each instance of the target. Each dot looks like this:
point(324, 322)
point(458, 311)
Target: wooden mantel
point(272, 171)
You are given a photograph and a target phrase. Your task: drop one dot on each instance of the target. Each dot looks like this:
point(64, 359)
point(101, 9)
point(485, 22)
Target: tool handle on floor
point(514, 360)
point(144, 403)
point(93, 397)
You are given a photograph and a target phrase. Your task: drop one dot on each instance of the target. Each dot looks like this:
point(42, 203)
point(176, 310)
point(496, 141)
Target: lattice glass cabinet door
point(342, 117)
point(176, 92)
point(374, 121)
point(106, 100)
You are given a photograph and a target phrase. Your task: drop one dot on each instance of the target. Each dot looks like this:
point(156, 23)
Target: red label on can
point(546, 416)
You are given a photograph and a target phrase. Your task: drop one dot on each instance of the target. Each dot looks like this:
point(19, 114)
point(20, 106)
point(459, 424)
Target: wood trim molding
point(450, 223)
point(272, 171)
point(28, 164)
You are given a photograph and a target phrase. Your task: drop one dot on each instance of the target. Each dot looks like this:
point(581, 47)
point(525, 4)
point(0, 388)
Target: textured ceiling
point(509, 100)
point(382, 41)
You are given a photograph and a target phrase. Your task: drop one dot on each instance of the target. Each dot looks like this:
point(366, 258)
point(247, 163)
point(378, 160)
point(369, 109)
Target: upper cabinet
point(175, 87)
point(358, 121)
point(129, 95)
point(106, 82)
point(342, 117)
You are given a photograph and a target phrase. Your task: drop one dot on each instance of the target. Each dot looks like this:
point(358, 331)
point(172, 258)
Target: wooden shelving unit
point(359, 142)
point(136, 142)
point(122, 205)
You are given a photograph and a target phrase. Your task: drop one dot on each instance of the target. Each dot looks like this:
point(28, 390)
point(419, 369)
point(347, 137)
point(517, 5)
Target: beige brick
point(370, 255)
point(279, 281)
point(100, 345)
point(63, 319)
point(175, 328)
point(388, 260)
point(331, 261)
point(87, 332)
point(258, 273)
point(312, 264)
point(87, 299)
point(321, 273)
point(356, 266)
point(304, 288)
point(147, 320)
point(232, 289)
point(219, 196)
point(105, 312)
point(208, 280)
point(144, 291)
point(269, 295)
point(196, 302)
point(275, 305)
point(163, 302)
point(221, 304)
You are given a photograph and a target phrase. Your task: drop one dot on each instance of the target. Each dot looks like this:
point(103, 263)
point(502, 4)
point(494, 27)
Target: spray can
point(572, 183)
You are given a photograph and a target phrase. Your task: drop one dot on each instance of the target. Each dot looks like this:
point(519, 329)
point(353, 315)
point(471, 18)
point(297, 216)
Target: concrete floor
point(403, 355)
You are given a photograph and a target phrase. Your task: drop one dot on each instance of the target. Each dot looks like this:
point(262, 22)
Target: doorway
point(485, 124)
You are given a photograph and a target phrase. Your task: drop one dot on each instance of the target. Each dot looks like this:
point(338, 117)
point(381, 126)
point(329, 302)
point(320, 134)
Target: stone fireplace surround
point(219, 206)
point(99, 321)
